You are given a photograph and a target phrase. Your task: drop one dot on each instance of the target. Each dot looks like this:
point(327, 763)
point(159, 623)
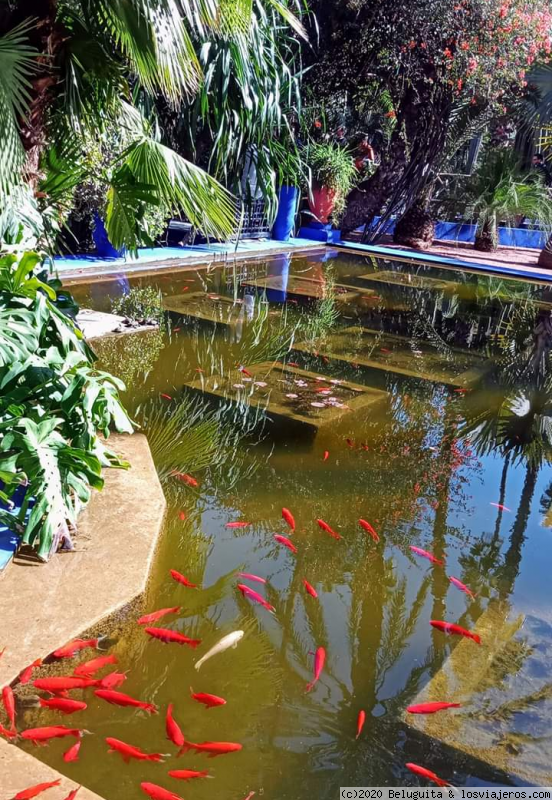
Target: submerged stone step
point(277, 287)
point(505, 688)
point(206, 307)
point(291, 393)
point(392, 353)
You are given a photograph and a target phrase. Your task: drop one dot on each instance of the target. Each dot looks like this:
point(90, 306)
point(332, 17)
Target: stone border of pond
point(82, 269)
point(75, 591)
point(429, 259)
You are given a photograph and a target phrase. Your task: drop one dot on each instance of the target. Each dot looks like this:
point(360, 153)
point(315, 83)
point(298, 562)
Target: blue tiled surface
point(426, 258)
point(9, 540)
point(65, 263)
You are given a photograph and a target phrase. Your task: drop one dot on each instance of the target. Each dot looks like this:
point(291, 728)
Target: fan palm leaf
point(152, 36)
point(182, 186)
point(17, 63)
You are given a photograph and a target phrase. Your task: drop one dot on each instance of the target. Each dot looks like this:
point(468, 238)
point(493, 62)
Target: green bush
point(53, 406)
point(141, 304)
point(333, 166)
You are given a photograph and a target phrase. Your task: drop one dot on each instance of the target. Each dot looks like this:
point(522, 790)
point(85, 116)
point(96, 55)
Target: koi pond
point(341, 388)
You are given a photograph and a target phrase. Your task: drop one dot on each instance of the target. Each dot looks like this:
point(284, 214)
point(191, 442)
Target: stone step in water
point(291, 393)
point(206, 307)
point(505, 688)
point(392, 353)
point(278, 287)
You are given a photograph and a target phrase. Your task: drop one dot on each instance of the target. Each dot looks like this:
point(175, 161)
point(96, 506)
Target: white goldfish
point(231, 640)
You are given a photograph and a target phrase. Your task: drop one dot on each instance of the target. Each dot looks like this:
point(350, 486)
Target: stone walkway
point(44, 606)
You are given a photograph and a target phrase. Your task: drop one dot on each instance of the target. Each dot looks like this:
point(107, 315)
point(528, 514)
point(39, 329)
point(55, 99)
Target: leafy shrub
point(333, 166)
point(141, 304)
point(53, 406)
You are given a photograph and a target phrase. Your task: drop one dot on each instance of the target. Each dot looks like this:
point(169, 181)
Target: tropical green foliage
point(332, 166)
point(91, 58)
point(501, 192)
point(53, 406)
point(141, 304)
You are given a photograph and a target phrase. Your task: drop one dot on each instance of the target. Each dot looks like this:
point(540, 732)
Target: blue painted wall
point(450, 231)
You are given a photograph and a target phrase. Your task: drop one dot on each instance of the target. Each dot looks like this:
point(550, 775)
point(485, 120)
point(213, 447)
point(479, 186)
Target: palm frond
point(154, 40)
point(17, 63)
point(182, 186)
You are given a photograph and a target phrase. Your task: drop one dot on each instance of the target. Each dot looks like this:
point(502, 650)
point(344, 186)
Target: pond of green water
point(432, 421)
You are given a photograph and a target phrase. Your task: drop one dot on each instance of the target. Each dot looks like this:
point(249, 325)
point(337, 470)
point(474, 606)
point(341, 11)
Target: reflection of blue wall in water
point(279, 267)
point(9, 540)
point(103, 292)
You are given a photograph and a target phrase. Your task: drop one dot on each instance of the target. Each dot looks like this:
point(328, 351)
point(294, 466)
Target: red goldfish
point(155, 615)
point(36, 735)
point(25, 675)
point(73, 794)
point(245, 372)
point(209, 700)
point(252, 595)
point(250, 795)
point(165, 396)
point(63, 684)
point(368, 527)
point(69, 650)
point(182, 516)
point(309, 589)
point(188, 774)
point(157, 792)
point(326, 455)
point(319, 658)
point(449, 627)
point(249, 577)
point(461, 586)
point(237, 524)
point(73, 753)
point(174, 734)
point(171, 637)
point(66, 706)
point(288, 517)
point(361, 719)
point(326, 527)
point(182, 579)
point(350, 443)
point(501, 507)
point(128, 751)
point(213, 748)
point(9, 704)
point(286, 542)
point(113, 680)
point(185, 479)
point(422, 772)
point(7, 733)
point(120, 699)
point(87, 669)
point(431, 708)
point(33, 791)
point(425, 554)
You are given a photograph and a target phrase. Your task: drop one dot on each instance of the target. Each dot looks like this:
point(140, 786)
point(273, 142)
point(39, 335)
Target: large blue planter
point(288, 200)
point(104, 248)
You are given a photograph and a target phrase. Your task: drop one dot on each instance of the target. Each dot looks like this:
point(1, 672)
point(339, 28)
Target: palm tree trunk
point(48, 37)
point(545, 257)
point(416, 228)
point(487, 240)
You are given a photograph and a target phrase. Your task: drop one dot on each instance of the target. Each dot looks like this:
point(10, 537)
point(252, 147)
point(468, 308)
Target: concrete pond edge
point(88, 591)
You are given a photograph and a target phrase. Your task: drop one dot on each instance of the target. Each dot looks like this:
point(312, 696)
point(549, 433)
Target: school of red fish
point(106, 688)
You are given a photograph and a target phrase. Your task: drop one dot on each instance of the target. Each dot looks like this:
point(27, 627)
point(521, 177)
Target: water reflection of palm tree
point(514, 419)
